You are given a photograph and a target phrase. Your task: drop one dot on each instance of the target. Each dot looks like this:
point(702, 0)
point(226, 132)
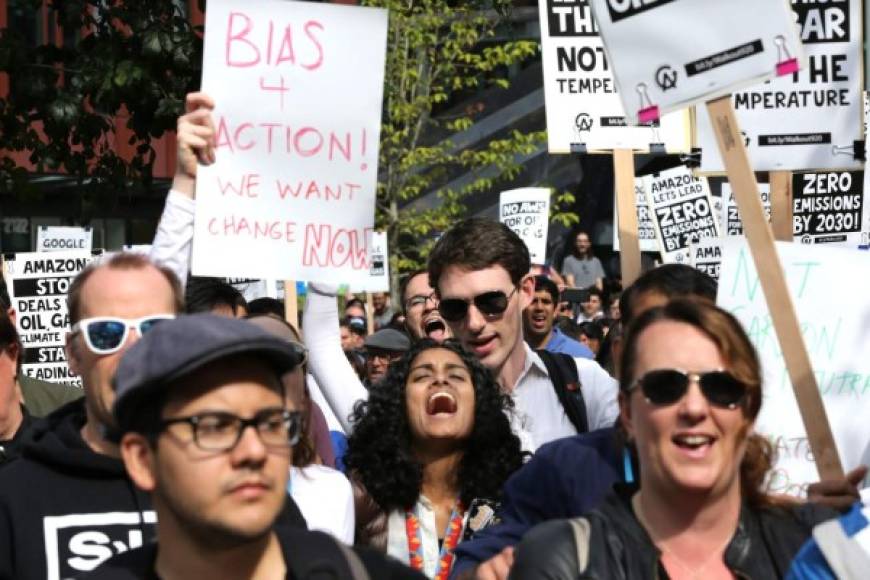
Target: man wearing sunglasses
point(66, 503)
point(201, 409)
point(481, 271)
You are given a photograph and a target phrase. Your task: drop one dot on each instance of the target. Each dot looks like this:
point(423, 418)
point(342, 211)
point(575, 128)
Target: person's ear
point(139, 460)
point(71, 350)
point(625, 414)
point(526, 291)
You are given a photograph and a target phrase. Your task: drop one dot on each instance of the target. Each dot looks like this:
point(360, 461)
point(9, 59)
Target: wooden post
point(291, 303)
point(370, 313)
point(629, 244)
point(781, 208)
point(770, 272)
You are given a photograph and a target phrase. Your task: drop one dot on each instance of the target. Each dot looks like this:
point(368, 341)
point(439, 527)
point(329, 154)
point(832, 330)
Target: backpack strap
point(318, 556)
point(565, 377)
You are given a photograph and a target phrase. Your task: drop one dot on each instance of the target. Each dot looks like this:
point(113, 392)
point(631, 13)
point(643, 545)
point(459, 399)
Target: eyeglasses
point(489, 303)
point(219, 431)
point(107, 334)
point(665, 387)
point(420, 300)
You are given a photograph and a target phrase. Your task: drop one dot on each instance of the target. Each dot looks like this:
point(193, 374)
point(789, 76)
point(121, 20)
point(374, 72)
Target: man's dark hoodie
point(64, 509)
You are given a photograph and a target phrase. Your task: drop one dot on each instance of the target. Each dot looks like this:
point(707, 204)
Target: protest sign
point(830, 208)
point(646, 232)
point(667, 55)
point(582, 103)
point(298, 88)
point(808, 119)
point(252, 289)
point(707, 256)
point(378, 258)
point(836, 336)
point(38, 283)
point(682, 211)
point(731, 224)
point(60, 239)
point(526, 211)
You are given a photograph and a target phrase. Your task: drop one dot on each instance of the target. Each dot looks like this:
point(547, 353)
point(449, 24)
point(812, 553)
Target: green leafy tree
point(135, 63)
point(436, 51)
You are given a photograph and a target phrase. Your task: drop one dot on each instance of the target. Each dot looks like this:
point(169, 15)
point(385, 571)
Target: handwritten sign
point(731, 223)
point(831, 208)
point(682, 212)
point(646, 230)
point(59, 239)
point(667, 55)
point(833, 316)
point(582, 103)
point(298, 88)
point(38, 284)
point(526, 211)
point(795, 121)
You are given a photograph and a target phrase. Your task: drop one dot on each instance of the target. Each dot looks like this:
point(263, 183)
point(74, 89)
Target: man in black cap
point(382, 348)
point(187, 394)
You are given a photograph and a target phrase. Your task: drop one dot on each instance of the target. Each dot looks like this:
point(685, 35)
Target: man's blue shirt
point(560, 342)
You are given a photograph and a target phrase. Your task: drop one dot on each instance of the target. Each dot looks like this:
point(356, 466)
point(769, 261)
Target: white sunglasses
point(107, 334)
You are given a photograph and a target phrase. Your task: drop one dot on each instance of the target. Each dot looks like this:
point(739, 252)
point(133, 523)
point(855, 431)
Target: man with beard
point(539, 319)
point(187, 395)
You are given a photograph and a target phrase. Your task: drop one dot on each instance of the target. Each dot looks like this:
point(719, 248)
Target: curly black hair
point(379, 450)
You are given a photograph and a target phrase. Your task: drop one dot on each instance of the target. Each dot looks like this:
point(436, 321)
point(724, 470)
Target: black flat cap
point(388, 339)
point(176, 348)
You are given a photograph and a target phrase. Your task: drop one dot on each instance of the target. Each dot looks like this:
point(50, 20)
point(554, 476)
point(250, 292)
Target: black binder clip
point(692, 160)
point(579, 148)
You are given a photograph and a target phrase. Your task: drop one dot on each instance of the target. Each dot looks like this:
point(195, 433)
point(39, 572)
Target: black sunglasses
point(664, 387)
point(488, 303)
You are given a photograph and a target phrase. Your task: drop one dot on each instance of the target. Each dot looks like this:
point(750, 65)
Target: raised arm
point(195, 144)
point(338, 382)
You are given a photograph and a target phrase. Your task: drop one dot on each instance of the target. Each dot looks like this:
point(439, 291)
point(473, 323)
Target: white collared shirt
point(539, 417)
point(397, 536)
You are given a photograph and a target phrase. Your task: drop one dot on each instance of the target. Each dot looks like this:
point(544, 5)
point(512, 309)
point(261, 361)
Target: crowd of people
point(501, 420)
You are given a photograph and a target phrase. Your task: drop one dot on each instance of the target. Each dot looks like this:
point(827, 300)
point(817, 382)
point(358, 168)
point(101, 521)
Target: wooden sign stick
point(781, 208)
point(629, 244)
point(291, 303)
point(772, 277)
point(370, 313)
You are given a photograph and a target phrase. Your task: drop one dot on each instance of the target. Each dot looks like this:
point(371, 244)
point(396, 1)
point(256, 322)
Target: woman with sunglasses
point(689, 395)
point(430, 451)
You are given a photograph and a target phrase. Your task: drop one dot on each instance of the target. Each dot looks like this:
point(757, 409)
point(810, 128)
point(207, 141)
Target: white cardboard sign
point(831, 208)
point(833, 314)
point(526, 211)
point(646, 230)
point(378, 258)
point(707, 256)
point(731, 223)
point(808, 119)
point(298, 90)
point(682, 211)
point(669, 54)
point(38, 283)
point(64, 239)
point(582, 101)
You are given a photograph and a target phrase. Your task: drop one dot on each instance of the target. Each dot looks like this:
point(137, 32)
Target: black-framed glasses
point(221, 431)
point(107, 334)
point(489, 303)
point(419, 300)
point(665, 387)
